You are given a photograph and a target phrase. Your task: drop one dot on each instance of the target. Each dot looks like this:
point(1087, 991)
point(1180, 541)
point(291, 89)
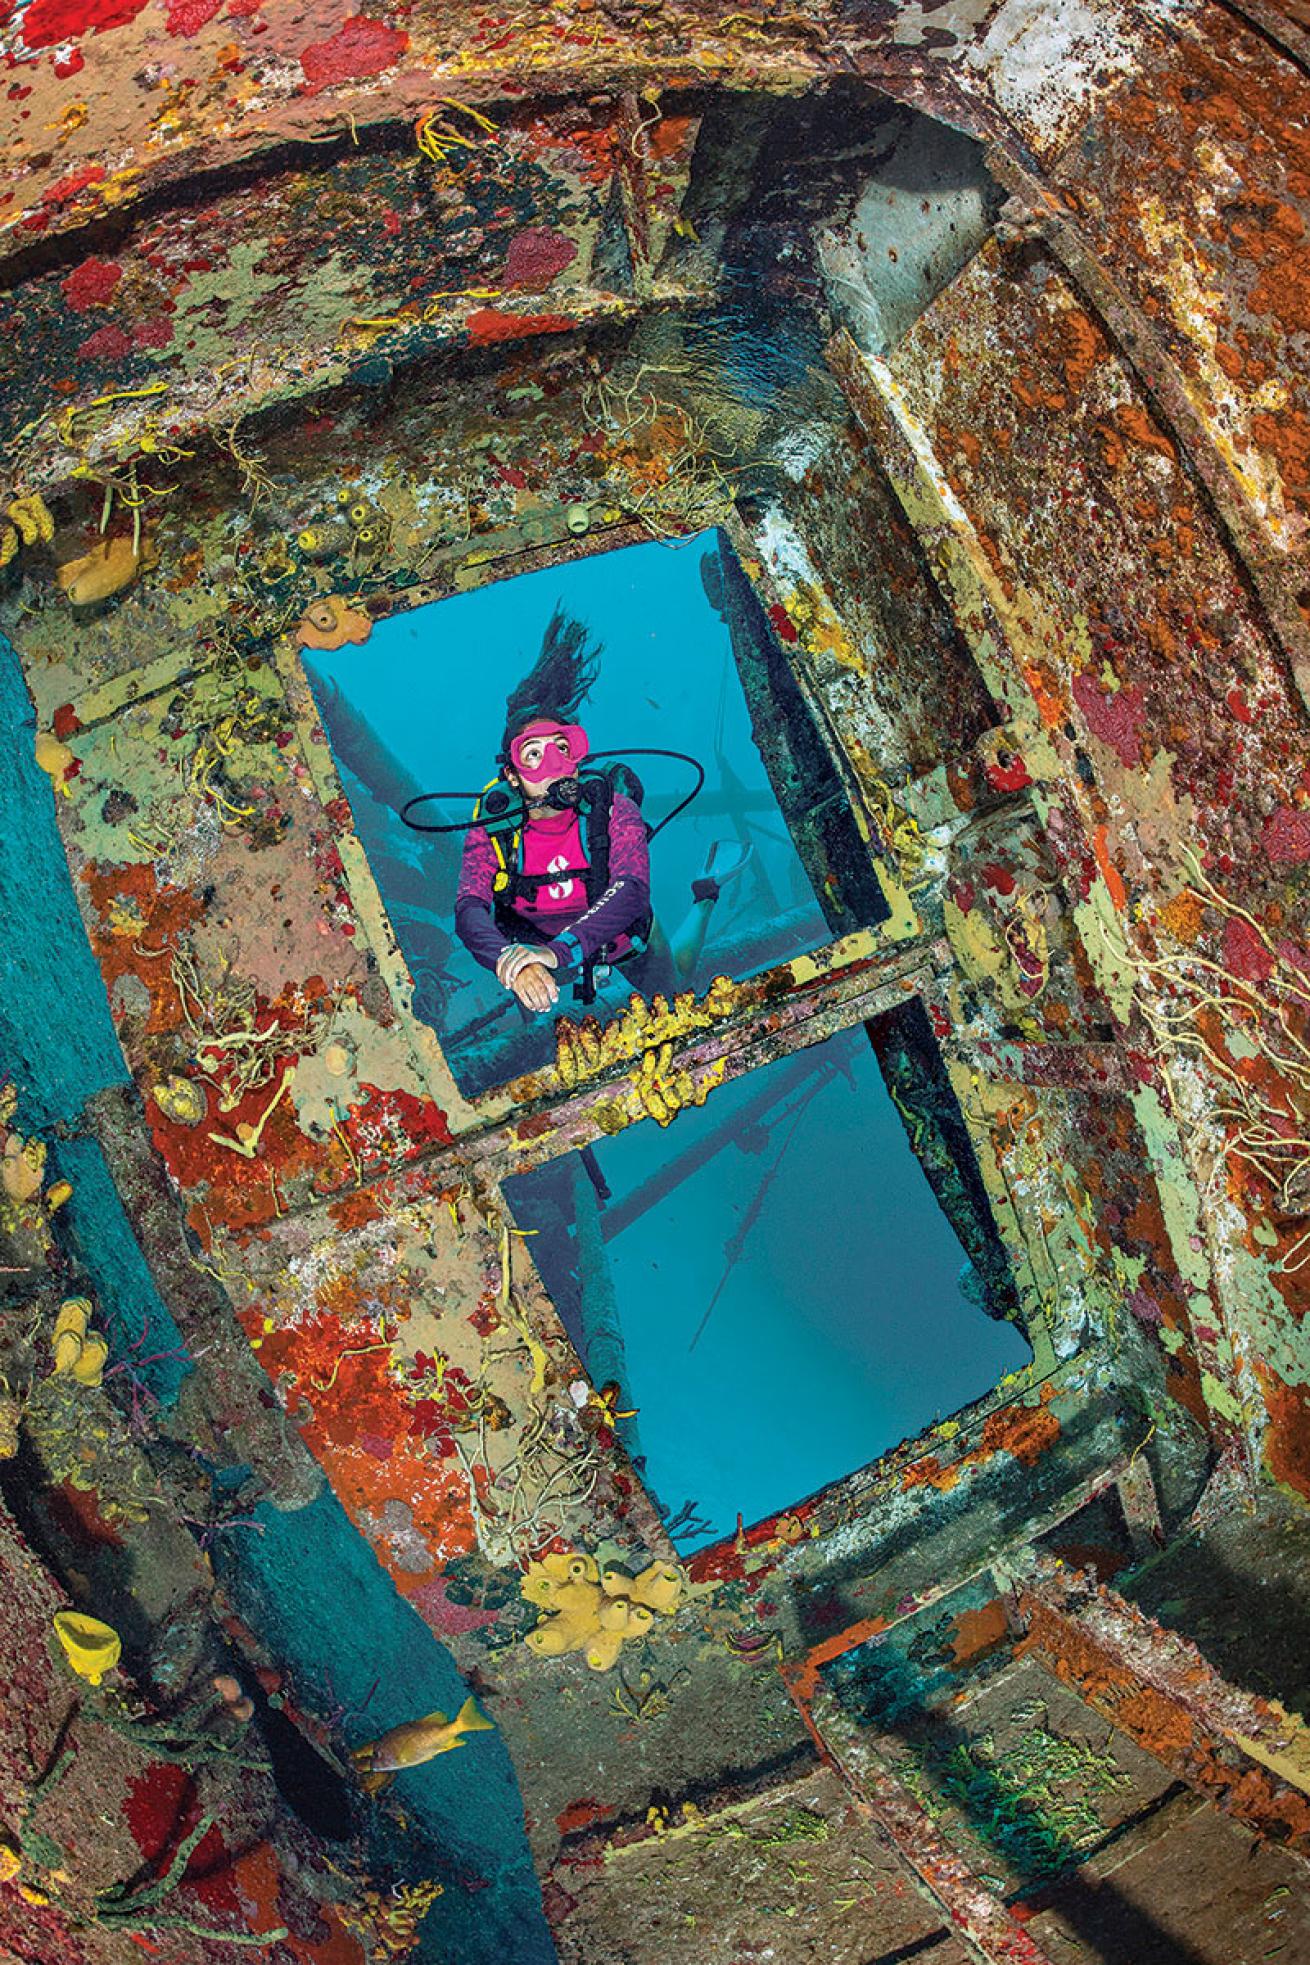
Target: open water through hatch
point(421, 707)
point(771, 1283)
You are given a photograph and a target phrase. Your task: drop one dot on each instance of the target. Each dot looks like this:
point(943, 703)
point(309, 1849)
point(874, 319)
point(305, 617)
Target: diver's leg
point(652, 973)
point(722, 864)
point(689, 937)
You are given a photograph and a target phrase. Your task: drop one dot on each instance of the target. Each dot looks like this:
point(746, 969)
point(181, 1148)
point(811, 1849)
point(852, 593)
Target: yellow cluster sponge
point(595, 1611)
point(79, 1351)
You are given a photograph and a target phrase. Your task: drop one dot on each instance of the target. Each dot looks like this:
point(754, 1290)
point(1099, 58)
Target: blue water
point(431, 686)
point(840, 1327)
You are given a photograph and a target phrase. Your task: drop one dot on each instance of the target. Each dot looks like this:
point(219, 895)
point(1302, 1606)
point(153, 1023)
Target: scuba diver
point(564, 888)
point(554, 882)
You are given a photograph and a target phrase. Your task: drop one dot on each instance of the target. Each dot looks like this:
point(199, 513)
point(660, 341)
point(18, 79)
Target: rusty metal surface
point(128, 124)
point(1192, 188)
point(1284, 22)
point(992, 1934)
point(1248, 1753)
point(1208, 453)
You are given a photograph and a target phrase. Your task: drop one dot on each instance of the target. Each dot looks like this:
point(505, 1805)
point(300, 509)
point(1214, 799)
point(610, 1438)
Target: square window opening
point(763, 864)
point(771, 1290)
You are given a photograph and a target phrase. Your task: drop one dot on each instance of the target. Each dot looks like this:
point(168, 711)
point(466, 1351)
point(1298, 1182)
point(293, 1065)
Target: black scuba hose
point(682, 758)
point(517, 817)
point(455, 825)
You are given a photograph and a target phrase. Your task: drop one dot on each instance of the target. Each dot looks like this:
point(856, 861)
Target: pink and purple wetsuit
point(559, 916)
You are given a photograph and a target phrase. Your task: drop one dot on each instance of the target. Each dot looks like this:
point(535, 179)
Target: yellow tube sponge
point(602, 1650)
point(595, 1613)
point(659, 1587)
point(549, 1581)
point(92, 1648)
point(79, 1352)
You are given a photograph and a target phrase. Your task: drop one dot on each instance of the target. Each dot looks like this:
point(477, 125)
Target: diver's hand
point(526, 973)
point(535, 987)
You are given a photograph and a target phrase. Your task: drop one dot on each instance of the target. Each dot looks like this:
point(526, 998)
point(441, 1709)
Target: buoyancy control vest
point(511, 884)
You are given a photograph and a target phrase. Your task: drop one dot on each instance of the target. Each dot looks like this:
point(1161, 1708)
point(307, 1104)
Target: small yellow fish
point(415, 1741)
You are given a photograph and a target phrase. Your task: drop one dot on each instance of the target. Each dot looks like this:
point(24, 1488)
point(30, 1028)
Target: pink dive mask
point(547, 749)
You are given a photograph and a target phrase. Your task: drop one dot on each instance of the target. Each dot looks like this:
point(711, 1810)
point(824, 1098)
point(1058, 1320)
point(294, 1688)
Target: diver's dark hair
point(558, 680)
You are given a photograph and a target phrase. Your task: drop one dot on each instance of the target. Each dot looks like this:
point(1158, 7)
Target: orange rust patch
point(1155, 1722)
point(593, 148)
point(1025, 1431)
point(669, 136)
point(1183, 916)
point(1287, 436)
point(1071, 1654)
point(1084, 348)
point(1280, 1812)
point(803, 1679)
point(1156, 630)
point(998, 563)
point(1051, 706)
point(1027, 390)
point(1161, 1725)
point(1183, 1379)
point(1138, 428)
point(1283, 289)
point(487, 324)
point(362, 1434)
point(1109, 871)
point(961, 785)
point(1287, 1443)
point(256, 1877)
point(357, 1209)
point(580, 1814)
point(979, 1631)
point(931, 1473)
point(167, 913)
point(1113, 453)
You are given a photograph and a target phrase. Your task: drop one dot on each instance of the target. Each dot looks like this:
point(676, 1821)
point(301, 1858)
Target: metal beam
point(1037, 211)
point(789, 1008)
point(803, 1674)
point(977, 1916)
point(1185, 1712)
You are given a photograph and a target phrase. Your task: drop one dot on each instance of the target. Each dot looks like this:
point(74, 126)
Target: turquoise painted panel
point(57, 1040)
point(345, 1638)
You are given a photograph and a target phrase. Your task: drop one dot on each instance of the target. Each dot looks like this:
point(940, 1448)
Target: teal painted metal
point(57, 1040)
point(307, 1583)
point(144, 1341)
point(326, 1610)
